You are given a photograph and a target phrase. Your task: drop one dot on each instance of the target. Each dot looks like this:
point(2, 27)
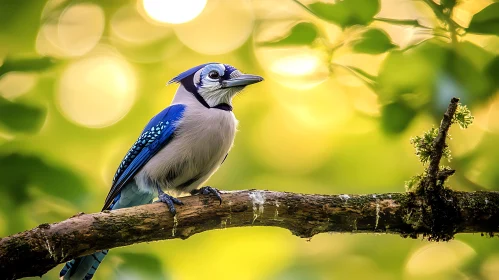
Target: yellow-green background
point(313, 126)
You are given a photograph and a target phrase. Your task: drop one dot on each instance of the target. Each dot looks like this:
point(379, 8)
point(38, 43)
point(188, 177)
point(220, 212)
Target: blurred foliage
point(20, 172)
point(20, 117)
point(303, 33)
point(348, 83)
point(140, 266)
point(346, 13)
point(486, 21)
point(373, 41)
point(26, 64)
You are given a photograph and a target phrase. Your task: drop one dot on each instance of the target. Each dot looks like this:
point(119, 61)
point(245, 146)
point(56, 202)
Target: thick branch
point(34, 252)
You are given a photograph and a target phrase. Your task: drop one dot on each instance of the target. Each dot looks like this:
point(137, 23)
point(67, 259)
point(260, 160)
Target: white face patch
point(208, 83)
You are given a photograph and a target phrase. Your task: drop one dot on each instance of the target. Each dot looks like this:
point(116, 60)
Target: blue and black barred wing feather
point(158, 132)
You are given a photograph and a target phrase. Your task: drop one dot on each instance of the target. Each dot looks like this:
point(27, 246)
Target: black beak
point(241, 81)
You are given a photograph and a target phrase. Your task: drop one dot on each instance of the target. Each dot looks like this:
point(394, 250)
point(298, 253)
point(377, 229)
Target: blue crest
point(228, 70)
point(187, 73)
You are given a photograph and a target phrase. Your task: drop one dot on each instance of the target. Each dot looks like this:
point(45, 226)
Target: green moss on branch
point(303, 214)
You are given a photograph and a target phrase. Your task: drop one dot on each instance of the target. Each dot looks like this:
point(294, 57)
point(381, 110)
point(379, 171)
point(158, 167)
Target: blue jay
point(178, 150)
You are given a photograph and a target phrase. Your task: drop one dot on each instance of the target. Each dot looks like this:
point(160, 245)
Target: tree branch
point(433, 211)
point(34, 252)
point(439, 143)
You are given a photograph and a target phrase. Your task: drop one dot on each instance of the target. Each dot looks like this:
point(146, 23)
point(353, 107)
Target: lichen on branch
point(438, 211)
point(432, 146)
point(303, 214)
point(429, 209)
point(423, 146)
point(463, 116)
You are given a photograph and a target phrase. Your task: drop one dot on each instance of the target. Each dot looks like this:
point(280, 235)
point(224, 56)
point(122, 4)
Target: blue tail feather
point(83, 268)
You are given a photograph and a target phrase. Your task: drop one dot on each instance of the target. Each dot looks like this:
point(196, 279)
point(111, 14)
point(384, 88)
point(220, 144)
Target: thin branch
point(408, 22)
point(446, 18)
point(34, 252)
point(366, 78)
point(437, 213)
point(305, 7)
point(439, 143)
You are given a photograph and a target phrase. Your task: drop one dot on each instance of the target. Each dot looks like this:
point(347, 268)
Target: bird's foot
point(170, 201)
point(208, 191)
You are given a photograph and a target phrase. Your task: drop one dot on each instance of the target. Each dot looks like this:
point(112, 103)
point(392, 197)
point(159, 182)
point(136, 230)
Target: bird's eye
point(213, 75)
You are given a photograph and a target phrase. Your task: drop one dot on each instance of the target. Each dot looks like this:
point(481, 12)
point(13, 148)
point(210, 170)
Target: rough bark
point(439, 144)
point(303, 214)
point(431, 210)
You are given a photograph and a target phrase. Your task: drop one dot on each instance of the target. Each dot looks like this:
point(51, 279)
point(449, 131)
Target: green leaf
point(303, 33)
point(492, 69)
point(406, 73)
point(373, 41)
point(347, 12)
point(449, 4)
point(474, 53)
point(486, 21)
point(474, 84)
point(20, 117)
point(433, 71)
point(26, 64)
point(19, 171)
point(140, 266)
point(396, 117)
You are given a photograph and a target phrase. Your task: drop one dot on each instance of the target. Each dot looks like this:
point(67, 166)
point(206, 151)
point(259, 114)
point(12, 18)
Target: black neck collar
point(223, 106)
point(190, 87)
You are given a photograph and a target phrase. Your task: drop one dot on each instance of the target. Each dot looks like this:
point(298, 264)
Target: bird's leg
point(207, 191)
point(169, 200)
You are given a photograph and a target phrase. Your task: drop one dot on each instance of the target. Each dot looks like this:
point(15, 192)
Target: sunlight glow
point(173, 11)
point(439, 257)
point(223, 27)
point(129, 26)
point(76, 32)
point(490, 267)
point(296, 68)
point(97, 91)
point(299, 65)
point(15, 84)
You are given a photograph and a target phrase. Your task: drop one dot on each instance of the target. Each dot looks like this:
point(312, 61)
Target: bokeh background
point(347, 83)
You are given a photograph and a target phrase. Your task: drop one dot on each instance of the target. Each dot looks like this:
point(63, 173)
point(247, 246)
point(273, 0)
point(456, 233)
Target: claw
point(170, 201)
point(207, 191)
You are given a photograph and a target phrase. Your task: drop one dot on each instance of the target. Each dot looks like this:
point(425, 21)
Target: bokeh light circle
point(129, 26)
point(80, 28)
point(15, 84)
point(293, 66)
point(222, 27)
point(96, 91)
point(438, 257)
point(75, 32)
point(173, 11)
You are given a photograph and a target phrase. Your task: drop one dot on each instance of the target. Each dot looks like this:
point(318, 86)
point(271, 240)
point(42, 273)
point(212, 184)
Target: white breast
point(202, 140)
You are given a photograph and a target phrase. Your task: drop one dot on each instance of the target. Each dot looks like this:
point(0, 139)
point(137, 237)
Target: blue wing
point(158, 132)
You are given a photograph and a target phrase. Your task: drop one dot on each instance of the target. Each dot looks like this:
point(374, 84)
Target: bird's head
point(214, 84)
